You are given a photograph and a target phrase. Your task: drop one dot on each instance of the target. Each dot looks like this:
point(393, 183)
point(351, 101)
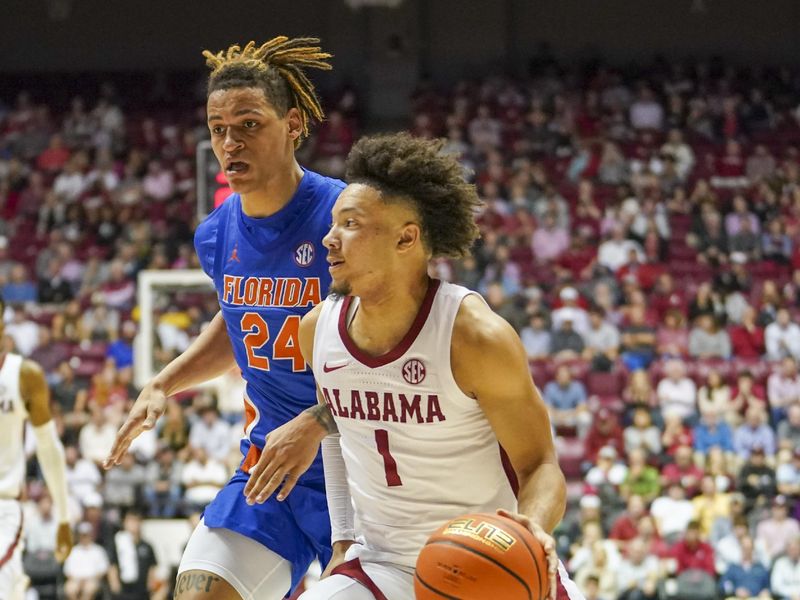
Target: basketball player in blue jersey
point(262, 248)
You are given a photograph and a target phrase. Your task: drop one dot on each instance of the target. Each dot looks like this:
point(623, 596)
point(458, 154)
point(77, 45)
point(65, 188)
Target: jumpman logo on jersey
point(235, 253)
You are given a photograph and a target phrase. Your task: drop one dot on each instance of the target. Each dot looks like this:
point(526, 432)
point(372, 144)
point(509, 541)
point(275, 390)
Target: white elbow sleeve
point(340, 506)
point(50, 453)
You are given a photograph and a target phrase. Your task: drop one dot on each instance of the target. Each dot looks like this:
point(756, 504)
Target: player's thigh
point(392, 583)
point(13, 581)
point(222, 564)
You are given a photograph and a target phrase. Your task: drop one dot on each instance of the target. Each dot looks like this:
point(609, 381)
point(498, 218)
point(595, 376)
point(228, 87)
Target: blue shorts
point(298, 529)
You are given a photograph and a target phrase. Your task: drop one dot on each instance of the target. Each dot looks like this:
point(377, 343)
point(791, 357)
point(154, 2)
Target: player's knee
point(203, 585)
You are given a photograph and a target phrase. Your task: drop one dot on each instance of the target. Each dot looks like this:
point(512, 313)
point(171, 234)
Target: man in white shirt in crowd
point(615, 251)
point(85, 567)
point(785, 580)
point(672, 512)
point(83, 476)
point(782, 337)
point(728, 549)
point(637, 575)
point(677, 392)
point(570, 311)
point(778, 529)
point(646, 112)
point(40, 528)
point(202, 478)
point(97, 437)
point(211, 433)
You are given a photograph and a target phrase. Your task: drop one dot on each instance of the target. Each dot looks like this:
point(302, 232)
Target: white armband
point(50, 453)
point(340, 506)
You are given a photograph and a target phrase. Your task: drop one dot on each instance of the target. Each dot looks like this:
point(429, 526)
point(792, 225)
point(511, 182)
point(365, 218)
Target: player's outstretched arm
point(290, 449)
point(490, 365)
point(209, 356)
point(49, 451)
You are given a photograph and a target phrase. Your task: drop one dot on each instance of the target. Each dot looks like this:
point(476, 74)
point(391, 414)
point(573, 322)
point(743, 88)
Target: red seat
point(604, 384)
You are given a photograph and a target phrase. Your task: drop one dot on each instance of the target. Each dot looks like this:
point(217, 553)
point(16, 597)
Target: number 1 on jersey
point(389, 464)
point(285, 347)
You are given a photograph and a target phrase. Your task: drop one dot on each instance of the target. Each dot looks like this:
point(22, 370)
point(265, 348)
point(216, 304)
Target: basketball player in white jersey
point(436, 412)
point(24, 395)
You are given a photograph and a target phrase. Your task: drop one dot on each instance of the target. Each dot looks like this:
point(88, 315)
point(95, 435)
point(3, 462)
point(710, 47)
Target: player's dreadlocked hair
point(277, 68)
point(414, 170)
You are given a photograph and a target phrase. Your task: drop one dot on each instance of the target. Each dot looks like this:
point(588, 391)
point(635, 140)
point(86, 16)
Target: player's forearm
point(543, 496)
point(50, 453)
point(209, 356)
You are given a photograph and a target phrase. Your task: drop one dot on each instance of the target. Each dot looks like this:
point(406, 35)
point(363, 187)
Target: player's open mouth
point(333, 264)
point(236, 167)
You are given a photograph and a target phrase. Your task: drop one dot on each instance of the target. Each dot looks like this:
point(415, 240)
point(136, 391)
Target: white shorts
point(254, 571)
point(354, 580)
point(12, 577)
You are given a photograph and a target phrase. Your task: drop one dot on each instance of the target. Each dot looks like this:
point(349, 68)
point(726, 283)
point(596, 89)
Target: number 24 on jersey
point(285, 347)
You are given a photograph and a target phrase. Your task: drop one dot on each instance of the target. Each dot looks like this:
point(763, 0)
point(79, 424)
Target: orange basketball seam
point(489, 558)
point(514, 526)
point(429, 587)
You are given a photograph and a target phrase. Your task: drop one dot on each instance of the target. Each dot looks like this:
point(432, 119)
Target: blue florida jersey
point(268, 273)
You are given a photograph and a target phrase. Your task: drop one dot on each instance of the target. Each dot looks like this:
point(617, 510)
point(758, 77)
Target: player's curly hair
point(277, 67)
point(415, 170)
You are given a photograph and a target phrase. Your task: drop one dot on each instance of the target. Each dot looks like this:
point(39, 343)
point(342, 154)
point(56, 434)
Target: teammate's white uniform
point(13, 415)
point(417, 450)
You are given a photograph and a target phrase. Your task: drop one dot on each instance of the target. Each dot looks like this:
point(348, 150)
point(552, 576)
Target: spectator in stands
point(608, 474)
point(747, 337)
point(760, 164)
point(638, 573)
point(642, 433)
point(566, 344)
point(710, 433)
point(162, 488)
point(85, 567)
point(24, 331)
point(570, 310)
point(706, 302)
point(783, 388)
point(592, 534)
point(782, 337)
point(536, 337)
point(598, 567)
point(202, 478)
point(40, 530)
point(566, 401)
point(133, 570)
point(616, 250)
point(676, 392)
point(707, 340)
point(638, 340)
point(642, 479)
point(748, 578)
point(777, 530)
point(121, 349)
point(754, 433)
point(756, 479)
point(785, 579)
point(646, 112)
point(123, 485)
point(739, 216)
point(692, 552)
point(776, 245)
point(672, 512)
point(83, 476)
point(747, 394)
point(672, 337)
point(626, 525)
point(716, 395)
point(728, 548)
point(173, 429)
point(604, 431)
point(683, 471)
point(211, 433)
point(97, 436)
point(638, 393)
point(710, 504)
point(549, 241)
point(787, 476)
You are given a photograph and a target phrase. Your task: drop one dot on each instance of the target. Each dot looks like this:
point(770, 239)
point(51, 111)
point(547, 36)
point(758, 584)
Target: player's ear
point(410, 236)
point(294, 123)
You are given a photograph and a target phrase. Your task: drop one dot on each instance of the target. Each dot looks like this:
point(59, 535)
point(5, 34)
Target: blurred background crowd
point(641, 231)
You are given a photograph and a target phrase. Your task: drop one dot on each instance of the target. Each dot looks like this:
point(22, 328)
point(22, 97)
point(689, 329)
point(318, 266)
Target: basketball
point(481, 556)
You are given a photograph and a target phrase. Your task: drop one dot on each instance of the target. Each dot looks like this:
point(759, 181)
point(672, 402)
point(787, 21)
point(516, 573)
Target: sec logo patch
point(304, 255)
point(414, 371)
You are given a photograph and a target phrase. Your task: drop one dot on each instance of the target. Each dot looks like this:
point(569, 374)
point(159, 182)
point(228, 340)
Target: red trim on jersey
point(3, 359)
point(565, 587)
point(10, 552)
point(378, 361)
point(354, 570)
point(510, 472)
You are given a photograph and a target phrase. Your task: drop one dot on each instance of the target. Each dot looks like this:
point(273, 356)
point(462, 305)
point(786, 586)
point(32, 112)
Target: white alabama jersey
point(12, 425)
point(418, 451)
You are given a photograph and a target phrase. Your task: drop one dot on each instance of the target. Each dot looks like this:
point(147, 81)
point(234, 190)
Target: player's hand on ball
point(63, 542)
point(288, 452)
point(340, 548)
point(143, 416)
point(545, 539)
